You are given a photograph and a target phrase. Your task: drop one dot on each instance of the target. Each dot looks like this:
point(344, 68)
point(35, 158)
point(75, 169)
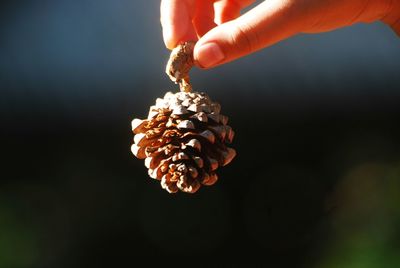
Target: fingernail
point(167, 35)
point(209, 55)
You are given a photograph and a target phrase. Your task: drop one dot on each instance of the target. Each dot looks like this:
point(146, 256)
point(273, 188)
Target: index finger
point(176, 21)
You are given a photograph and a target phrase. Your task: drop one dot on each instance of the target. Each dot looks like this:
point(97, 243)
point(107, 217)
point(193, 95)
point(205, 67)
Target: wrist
point(392, 17)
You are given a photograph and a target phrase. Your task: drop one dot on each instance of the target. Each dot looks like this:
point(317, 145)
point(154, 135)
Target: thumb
point(264, 25)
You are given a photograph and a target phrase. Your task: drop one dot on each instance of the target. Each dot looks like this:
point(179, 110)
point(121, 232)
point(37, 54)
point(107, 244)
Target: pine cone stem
point(179, 64)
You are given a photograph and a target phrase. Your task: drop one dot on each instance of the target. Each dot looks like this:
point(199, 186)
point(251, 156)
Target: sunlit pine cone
point(183, 141)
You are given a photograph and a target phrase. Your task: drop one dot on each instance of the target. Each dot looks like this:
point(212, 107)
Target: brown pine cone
point(183, 141)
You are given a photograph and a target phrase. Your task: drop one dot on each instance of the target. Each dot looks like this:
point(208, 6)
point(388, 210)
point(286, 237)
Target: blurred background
point(316, 182)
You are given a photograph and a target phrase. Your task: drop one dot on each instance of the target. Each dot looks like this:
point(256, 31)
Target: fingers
point(264, 25)
point(268, 23)
point(176, 21)
point(203, 20)
point(226, 10)
point(187, 20)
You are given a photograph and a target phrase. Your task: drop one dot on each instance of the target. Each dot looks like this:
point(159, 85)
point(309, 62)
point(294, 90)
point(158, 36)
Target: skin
point(223, 34)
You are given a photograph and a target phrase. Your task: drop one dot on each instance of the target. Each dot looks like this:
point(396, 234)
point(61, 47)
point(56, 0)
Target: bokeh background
point(316, 182)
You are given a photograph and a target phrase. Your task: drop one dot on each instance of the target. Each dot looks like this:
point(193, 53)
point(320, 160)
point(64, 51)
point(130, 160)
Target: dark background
point(316, 182)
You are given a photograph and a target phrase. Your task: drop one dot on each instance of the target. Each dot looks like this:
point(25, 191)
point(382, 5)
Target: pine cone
point(183, 141)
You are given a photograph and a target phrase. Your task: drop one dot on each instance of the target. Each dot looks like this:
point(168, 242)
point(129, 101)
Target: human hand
point(223, 35)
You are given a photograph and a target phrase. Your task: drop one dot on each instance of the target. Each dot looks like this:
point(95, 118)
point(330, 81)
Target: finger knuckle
point(244, 38)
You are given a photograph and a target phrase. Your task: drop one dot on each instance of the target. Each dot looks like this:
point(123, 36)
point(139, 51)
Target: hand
point(224, 35)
